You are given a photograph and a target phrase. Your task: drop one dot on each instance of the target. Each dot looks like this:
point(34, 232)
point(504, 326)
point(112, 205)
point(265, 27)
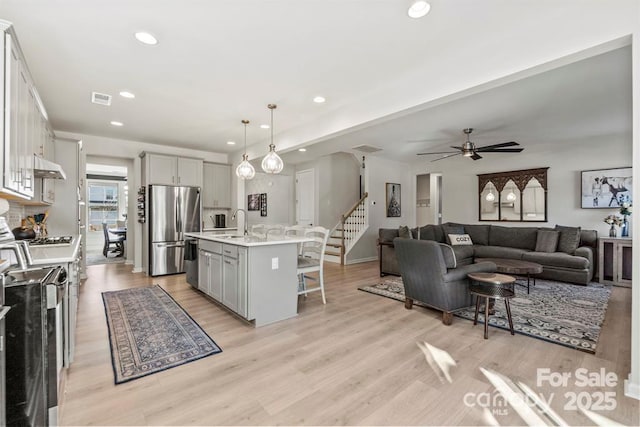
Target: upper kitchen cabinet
point(24, 122)
point(216, 191)
point(170, 170)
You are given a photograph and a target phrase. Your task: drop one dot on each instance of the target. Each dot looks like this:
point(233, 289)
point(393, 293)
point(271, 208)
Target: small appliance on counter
point(23, 233)
point(220, 221)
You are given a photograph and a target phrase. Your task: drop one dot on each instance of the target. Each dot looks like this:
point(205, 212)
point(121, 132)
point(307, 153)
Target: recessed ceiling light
point(114, 123)
point(319, 99)
point(418, 9)
point(231, 143)
point(146, 38)
point(302, 149)
point(126, 94)
point(264, 126)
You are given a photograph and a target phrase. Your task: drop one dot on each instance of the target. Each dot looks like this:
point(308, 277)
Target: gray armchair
point(431, 276)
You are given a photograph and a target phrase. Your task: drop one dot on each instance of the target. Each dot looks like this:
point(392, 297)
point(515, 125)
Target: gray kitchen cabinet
point(216, 188)
point(24, 119)
point(210, 269)
point(222, 274)
point(163, 169)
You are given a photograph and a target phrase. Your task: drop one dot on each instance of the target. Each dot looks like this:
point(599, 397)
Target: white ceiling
point(221, 61)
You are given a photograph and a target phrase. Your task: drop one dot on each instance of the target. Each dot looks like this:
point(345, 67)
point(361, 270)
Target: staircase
point(347, 232)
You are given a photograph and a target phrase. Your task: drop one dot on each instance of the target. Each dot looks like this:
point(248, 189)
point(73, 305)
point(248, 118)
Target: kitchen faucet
point(246, 226)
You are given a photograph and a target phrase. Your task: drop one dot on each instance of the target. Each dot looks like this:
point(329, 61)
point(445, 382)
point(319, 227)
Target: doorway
point(107, 208)
point(305, 197)
point(428, 199)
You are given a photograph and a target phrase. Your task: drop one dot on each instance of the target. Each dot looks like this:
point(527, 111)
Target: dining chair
point(311, 259)
point(110, 239)
point(274, 231)
point(259, 230)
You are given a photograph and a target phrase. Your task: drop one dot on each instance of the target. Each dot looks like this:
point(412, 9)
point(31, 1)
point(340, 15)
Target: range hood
point(43, 168)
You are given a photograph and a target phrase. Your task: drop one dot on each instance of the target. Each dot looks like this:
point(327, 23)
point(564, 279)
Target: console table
point(615, 261)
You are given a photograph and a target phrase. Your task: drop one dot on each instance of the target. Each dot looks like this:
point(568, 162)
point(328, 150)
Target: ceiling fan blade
point(457, 148)
point(439, 152)
point(444, 157)
point(501, 145)
point(476, 156)
point(503, 150)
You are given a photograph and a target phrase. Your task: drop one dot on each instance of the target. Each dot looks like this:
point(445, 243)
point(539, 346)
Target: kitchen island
point(254, 277)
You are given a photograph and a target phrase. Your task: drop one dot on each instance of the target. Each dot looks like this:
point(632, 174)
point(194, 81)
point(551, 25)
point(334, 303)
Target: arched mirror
point(489, 203)
point(513, 196)
point(510, 199)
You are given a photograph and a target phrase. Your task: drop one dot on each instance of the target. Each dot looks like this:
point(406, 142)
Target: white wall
point(337, 186)
point(565, 161)
point(378, 172)
point(279, 189)
point(423, 193)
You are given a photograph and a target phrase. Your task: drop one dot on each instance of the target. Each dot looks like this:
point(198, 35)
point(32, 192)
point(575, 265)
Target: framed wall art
point(393, 200)
point(254, 202)
point(263, 204)
point(606, 188)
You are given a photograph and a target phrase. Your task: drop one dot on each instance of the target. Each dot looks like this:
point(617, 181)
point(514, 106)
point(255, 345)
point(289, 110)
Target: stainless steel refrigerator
point(173, 211)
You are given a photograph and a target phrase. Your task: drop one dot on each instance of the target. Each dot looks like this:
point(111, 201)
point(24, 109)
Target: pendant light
point(245, 170)
point(272, 163)
point(490, 197)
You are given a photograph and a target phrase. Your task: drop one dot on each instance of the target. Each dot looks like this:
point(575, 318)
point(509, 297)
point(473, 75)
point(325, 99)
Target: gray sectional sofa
point(572, 259)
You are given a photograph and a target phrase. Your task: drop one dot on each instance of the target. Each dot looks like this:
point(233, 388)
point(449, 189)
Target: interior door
point(305, 197)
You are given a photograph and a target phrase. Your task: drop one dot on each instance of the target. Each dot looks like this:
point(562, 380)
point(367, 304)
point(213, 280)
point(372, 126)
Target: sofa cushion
point(589, 238)
point(404, 232)
point(479, 233)
point(547, 241)
point(460, 240)
point(557, 259)
point(427, 233)
point(463, 253)
point(569, 239)
point(513, 237)
point(451, 229)
point(386, 235)
point(481, 251)
point(449, 256)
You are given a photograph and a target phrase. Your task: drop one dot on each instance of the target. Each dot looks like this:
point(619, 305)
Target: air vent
point(101, 98)
point(367, 148)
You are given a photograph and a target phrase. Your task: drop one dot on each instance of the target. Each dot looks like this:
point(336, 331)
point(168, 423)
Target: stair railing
point(352, 223)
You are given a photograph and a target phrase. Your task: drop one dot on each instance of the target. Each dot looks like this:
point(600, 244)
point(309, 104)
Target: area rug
point(149, 332)
point(561, 313)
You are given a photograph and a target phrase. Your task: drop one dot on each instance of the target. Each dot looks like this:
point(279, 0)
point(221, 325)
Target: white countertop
point(45, 255)
point(220, 229)
point(248, 241)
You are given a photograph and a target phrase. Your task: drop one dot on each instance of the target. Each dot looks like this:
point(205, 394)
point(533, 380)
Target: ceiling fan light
point(467, 153)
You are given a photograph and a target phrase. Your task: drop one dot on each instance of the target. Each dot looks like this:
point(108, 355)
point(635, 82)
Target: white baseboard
point(137, 270)
point(360, 260)
point(631, 389)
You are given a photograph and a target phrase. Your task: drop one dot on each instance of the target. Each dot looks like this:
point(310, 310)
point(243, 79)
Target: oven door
point(56, 292)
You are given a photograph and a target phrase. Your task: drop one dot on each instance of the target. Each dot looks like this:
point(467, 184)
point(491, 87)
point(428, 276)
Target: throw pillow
point(448, 255)
point(569, 239)
point(459, 239)
point(547, 241)
point(452, 229)
point(404, 232)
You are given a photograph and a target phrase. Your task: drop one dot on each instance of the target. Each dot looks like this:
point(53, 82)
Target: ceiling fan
point(469, 149)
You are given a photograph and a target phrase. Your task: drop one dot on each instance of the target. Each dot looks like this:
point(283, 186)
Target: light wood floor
point(353, 361)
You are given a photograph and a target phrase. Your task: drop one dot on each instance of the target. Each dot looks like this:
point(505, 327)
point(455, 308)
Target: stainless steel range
point(52, 241)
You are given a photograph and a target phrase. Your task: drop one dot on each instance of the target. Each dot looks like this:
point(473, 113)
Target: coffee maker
point(220, 220)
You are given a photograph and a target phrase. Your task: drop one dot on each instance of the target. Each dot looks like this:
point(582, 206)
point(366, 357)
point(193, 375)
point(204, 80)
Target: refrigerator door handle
point(174, 245)
point(4, 311)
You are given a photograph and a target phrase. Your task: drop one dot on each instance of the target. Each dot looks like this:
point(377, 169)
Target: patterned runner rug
point(561, 313)
point(149, 332)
